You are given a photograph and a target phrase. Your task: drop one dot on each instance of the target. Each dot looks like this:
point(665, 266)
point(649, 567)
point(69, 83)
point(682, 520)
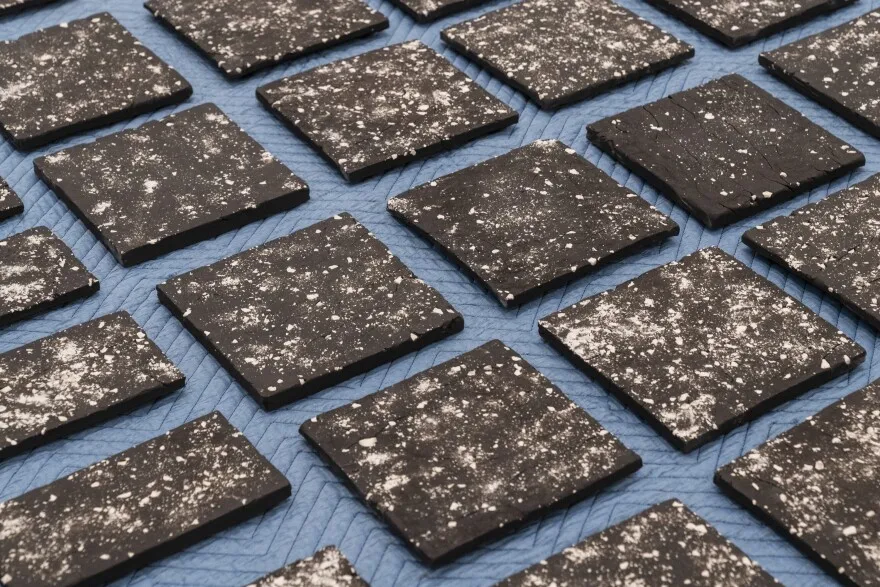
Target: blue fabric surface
point(322, 511)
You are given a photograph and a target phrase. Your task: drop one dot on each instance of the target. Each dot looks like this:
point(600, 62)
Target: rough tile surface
point(699, 346)
point(468, 449)
point(8, 7)
point(77, 76)
point(326, 568)
point(307, 311)
point(817, 485)
point(837, 68)
point(427, 10)
point(833, 245)
point(10, 204)
point(667, 544)
point(137, 506)
point(725, 150)
point(68, 381)
point(384, 108)
point(171, 183)
point(739, 23)
point(243, 36)
point(560, 51)
point(38, 272)
point(528, 221)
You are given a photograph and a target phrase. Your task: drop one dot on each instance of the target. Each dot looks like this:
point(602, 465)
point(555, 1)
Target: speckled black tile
point(725, 150)
point(136, 507)
point(699, 346)
point(83, 375)
point(427, 10)
point(528, 221)
point(8, 7)
point(170, 183)
point(833, 245)
point(243, 36)
point(309, 310)
point(817, 486)
point(738, 23)
point(667, 544)
point(326, 568)
point(38, 272)
point(837, 68)
point(77, 76)
point(10, 204)
point(561, 51)
point(384, 108)
point(467, 450)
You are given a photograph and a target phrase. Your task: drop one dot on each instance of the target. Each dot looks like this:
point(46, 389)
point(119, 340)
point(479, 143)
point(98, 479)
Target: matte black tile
point(467, 450)
point(699, 346)
point(78, 76)
point(171, 183)
point(560, 51)
point(10, 203)
point(326, 568)
point(427, 10)
point(666, 544)
point(244, 36)
point(38, 272)
point(725, 150)
point(837, 68)
point(81, 376)
point(384, 108)
point(531, 220)
point(817, 486)
point(136, 507)
point(309, 310)
point(8, 7)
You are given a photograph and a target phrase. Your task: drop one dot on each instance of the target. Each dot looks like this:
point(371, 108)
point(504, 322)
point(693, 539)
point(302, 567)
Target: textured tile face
point(699, 346)
point(12, 6)
point(10, 204)
point(424, 10)
point(307, 311)
point(738, 23)
point(327, 568)
point(667, 544)
point(38, 272)
point(817, 485)
point(725, 150)
point(833, 245)
point(385, 108)
point(171, 183)
point(78, 76)
point(837, 68)
point(467, 449)
point(243, 36)
point(68, 381)
point(528, 221)
point(139, 505)
point(560, 51)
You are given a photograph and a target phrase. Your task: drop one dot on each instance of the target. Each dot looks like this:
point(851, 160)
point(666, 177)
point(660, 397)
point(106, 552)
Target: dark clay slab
point(468, 450)
point(531, 220)
point(171, 183)
point(428, 10)
point(833, 245)
point(8, 7)
point(699, 346)
point(725, 150)
point(136, 507)
point(244, 36)
point(666, 544)
point(837, 68)
point(38, 272)
point(817, 486)
point(327, 567)
point(560, 51)
point(738, 23)
point(71, 380)
point(10, 203)
point(384, 108)
point(78, 76)
point(309, 310)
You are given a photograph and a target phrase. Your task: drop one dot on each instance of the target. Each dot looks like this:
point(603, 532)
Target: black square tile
point(328, 567)
point(10, 204)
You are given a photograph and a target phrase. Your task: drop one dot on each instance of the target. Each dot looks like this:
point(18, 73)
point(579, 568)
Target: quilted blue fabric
point(322, 511)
